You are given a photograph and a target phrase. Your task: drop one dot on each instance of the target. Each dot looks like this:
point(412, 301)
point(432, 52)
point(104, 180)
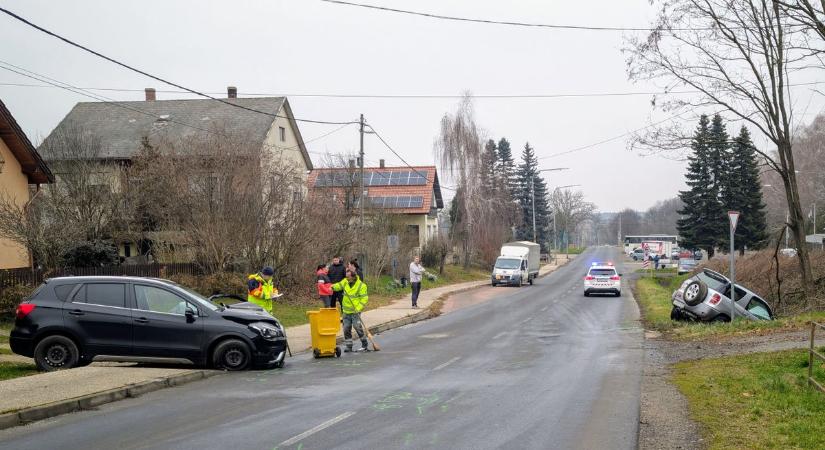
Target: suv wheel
point(721, 318)
point(695, 293)
point(231, 354)
point(56, 353)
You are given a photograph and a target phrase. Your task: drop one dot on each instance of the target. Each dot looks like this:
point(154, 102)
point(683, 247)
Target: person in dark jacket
point(337, 272)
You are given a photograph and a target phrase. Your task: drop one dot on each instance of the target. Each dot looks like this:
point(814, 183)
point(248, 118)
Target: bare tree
point(739, 56)
point(85, 204)
point(459, 150)
point(808, 14)
point(571, 210)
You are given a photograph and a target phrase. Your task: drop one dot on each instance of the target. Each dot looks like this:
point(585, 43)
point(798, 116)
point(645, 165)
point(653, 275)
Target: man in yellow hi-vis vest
point(261, 290)
point(354, 301)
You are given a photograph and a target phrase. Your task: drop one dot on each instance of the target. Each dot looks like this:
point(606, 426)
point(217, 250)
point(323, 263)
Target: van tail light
point(588, 278)
point(24, 309)
point(715, 299)
point(615, 278)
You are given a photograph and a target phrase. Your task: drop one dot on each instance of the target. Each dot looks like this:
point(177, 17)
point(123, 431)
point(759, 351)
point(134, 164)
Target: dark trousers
point(327, 299)
point(336, 298)
point(416, 289)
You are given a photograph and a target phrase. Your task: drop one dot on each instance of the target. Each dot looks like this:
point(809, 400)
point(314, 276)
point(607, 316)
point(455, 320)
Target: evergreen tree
point(744, 194)
point(702, 212)
point(489, 169)
point(507, 167)
point(530, 186)
point(720, 162)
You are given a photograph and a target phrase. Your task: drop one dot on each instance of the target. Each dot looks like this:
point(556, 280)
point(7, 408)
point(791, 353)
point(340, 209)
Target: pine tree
point(531, 186)
point(489, 170)
point(745, 195)
point(720, 162)
point(507, 167)
point(702, 212)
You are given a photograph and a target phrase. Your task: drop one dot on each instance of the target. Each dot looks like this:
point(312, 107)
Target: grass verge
point(653, 295)
point(755, 401)
point(9, 370)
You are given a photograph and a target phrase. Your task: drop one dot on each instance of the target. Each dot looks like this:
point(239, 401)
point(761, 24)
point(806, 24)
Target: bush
point(90, 254)
point(10, 297)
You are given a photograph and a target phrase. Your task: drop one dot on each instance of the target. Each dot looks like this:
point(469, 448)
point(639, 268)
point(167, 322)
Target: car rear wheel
point(56, 353)
point(231, 354)
point(695, 293)
point(721, 318)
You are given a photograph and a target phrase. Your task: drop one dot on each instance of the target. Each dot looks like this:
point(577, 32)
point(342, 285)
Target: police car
point(602, 278)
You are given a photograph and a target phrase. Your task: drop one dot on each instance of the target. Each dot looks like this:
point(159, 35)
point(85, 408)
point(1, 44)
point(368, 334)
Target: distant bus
point(633, 242)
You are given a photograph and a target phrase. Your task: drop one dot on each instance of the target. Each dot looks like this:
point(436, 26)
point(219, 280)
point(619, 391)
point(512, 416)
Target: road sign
point(734, 217)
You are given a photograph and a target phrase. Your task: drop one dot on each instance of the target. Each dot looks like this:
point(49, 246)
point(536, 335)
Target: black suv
point(68, 321)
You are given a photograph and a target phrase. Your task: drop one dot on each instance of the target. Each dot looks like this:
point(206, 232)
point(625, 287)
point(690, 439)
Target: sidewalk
point(44, 395)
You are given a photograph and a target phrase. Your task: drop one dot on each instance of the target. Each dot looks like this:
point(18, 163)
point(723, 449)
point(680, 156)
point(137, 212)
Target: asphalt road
point(534, 367)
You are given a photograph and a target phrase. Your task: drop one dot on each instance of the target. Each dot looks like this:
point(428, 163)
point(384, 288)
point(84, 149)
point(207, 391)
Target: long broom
point(375, 346)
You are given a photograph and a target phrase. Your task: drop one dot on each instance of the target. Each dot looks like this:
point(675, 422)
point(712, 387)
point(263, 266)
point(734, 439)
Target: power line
point(81, 91)
point(126, 66)
point(389, 147)
point(623, 135)
point(510, 23)
point(396, 96)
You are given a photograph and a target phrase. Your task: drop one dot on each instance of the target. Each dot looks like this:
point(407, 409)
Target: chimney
point(381, 163)
point(231, 92)
point(150, 94)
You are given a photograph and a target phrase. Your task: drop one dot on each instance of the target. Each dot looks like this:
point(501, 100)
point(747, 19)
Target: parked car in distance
point(788, 252)
point(638, 254)
point(68, 321)
point(686, 265)
point(706, 297)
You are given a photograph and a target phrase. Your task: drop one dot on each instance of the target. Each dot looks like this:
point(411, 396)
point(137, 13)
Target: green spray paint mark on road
point(408, 439)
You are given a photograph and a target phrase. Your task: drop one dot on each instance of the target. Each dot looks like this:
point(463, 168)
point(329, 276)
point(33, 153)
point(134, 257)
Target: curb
point(92, 401)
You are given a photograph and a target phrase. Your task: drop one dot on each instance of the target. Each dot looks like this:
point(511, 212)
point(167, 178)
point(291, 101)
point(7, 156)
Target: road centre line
point(446, 363)
point(318, 428)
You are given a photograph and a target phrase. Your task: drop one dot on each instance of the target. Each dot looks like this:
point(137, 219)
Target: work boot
point(348, 349)
point(365, 347)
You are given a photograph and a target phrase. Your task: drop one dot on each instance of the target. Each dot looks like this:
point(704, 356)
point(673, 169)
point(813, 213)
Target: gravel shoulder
point(665, 421)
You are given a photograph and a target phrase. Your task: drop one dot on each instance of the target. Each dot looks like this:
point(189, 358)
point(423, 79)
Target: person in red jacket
point(324, 285)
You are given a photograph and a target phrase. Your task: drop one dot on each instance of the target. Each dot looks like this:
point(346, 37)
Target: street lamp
point(555, 241)
point(533, 194)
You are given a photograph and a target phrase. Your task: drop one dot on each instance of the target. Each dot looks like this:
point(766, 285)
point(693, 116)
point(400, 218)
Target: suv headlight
point(267, 330)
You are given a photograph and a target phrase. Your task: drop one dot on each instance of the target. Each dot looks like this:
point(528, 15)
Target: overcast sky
point(297, 47)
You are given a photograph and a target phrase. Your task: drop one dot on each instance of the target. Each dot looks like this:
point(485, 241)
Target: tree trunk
point(797, 219)
point(711, 251)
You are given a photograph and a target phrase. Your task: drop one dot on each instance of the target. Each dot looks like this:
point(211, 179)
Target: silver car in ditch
point(706, 297)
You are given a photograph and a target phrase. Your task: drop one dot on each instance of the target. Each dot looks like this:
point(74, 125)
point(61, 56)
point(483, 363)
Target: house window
point(282, 132)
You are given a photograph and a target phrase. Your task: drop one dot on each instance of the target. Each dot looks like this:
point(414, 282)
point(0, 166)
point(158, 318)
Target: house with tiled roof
point(413, 193)
point(124, 128)
point(21, 167)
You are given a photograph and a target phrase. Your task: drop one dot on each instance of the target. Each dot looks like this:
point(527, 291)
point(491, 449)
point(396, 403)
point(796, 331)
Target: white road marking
point(447, 363)
point(312, 431)
point(500, 335)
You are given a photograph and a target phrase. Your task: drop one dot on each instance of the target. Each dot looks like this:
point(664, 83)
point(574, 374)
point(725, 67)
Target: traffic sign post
point(733, 217)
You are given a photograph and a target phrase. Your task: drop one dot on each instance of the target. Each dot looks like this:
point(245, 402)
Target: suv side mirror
point(190, 314)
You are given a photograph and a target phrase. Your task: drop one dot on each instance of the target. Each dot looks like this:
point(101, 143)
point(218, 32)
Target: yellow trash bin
point(324, 325)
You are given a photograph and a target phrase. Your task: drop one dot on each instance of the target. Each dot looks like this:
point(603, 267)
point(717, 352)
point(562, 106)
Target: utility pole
point(361, 196)
point(533, 193)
